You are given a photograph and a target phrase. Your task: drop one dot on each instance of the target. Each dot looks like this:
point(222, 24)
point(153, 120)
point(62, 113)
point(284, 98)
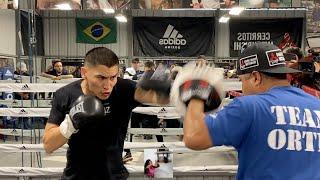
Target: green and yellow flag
point(96, 31)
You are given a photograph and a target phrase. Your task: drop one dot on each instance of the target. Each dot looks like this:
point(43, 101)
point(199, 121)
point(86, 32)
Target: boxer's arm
point(150, 96)
point(195, 130)
point(52, 138)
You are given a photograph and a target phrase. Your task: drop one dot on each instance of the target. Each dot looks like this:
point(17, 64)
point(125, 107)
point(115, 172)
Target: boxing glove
point(87, 110)
point(158, 82)
point(200, 89)
point(162, 88)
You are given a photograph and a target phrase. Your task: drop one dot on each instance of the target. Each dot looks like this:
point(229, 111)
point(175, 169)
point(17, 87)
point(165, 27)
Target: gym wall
point(8, 34)
point(60, 34)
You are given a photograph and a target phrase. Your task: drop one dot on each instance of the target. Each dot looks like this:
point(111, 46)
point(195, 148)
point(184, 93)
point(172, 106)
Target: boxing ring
point(27, 159)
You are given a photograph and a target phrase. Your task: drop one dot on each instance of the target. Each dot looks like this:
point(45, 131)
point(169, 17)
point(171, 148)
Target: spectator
point(57, 73)
point(201, 60)
point(21, 69)
point(77, 72)
point(148, 70)
point(293, 56)
point(133, 72)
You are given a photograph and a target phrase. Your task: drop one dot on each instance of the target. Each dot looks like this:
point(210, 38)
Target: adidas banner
point(96, 31)
point(284, 33)
point(186, 37)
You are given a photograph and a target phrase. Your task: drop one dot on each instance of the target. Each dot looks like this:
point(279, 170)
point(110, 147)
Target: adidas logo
point(8, 73)
point(23, 148)
point(25, 87)
point(172, 39)
point(163, 110)
point(22, 111)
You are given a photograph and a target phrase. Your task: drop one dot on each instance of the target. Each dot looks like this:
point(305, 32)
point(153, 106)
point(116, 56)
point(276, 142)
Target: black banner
point(284, 33)
point(185, 37)
point(38, 31)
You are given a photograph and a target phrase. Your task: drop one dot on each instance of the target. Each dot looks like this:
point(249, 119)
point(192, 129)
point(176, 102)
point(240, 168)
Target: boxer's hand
point(84, 112)
point(162, 88)
point(159, 82)
point(200, 89)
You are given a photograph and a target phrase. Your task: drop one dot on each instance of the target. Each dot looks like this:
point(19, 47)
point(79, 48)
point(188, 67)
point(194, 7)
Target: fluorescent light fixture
point(108, 10)
point(224, 19)
point(236, 11)
point(64, 6)
point(121, 18)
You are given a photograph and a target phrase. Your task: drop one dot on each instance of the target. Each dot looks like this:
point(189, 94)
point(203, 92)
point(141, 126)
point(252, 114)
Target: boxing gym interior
point(44, 45)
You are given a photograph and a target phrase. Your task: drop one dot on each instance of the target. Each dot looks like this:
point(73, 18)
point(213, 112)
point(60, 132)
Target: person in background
point(58, 72)
point(77, 72)
point(201, 59)
point(133, 72)
point(148, 69)
point(21, 69)
point(293, 56)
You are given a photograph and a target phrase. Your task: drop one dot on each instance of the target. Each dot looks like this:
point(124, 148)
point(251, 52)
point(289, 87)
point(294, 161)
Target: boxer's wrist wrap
point(67, 128)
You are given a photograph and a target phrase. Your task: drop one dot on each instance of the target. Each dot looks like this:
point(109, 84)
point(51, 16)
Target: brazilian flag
point(96, 31)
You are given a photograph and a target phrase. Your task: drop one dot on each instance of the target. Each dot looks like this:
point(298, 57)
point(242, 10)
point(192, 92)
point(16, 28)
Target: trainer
point(275, 127)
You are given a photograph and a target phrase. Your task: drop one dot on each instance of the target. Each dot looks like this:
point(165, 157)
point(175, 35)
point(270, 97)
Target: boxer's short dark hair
point(101, 56)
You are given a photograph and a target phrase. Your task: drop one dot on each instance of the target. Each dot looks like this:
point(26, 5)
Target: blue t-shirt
point(276, 134)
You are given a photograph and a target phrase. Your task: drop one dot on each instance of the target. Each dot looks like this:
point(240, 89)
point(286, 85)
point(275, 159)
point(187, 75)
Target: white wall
point(7, 32)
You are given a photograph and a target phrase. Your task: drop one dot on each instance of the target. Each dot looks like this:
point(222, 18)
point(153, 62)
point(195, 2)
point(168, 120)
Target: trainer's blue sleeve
point(230, 125)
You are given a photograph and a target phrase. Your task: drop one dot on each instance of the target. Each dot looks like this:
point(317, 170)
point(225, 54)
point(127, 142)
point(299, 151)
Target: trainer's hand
point(200, 89)
point(85, 111)
point(197, 82)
